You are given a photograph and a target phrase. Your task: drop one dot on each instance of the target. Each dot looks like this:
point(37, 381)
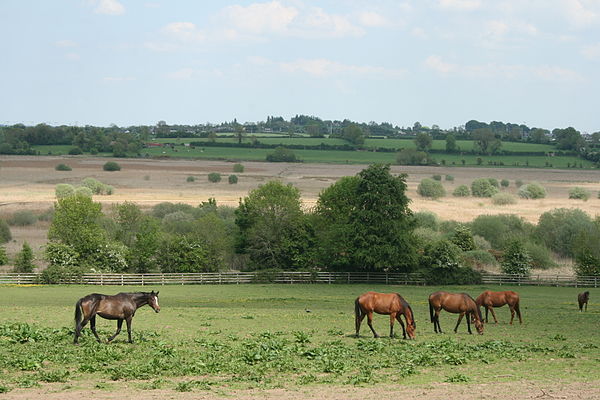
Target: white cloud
point(460, 4)
point(260, 17)
point(109, 7)
point(117, 79)
point(318, 23)
point(185, 74)
point(73, 56)
point(591, 52)
point(581, 13)
point(372, 19)
point(327, 68)
point(437, 64)
point(183, 31)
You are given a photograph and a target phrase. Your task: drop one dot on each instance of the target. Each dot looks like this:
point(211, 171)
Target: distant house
point(153, 144)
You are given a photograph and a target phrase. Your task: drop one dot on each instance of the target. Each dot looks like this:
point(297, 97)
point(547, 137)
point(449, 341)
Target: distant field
point(209, 338)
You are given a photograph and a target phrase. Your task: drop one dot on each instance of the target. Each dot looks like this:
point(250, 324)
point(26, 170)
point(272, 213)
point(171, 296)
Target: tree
point(568, 139)
point(516, 260)
point(354, 134)
point(450, 143)
point(3, 256)
point(239, 132)
point(423, 141)
point(5, 235)
point(485, 142)
point(370, 214)
point(270, 220)
point(24, 259)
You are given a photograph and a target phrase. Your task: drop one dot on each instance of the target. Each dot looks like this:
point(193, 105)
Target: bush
point(74, 151)
point(94, 185)
point(62, 167)
point(494, 182)
point(5, 235)
point(413, 157)
point(449, 178)
point(61, 255)
point(24, 259)
point(111, 166)
point(191, 179)
point(162, 209)
point(587, 264)
point(482, 187)
point(463, 238)
point(499, 229)
point(479, 259)
point(22, 218)
point(503, 199)
point(560, 228)
point(541, 256)
point(437, 177)
point(431, 188)
point(3, 256)
point(238, 168)
point(516, 260)
point(427, 235)
point(461, 191)
point(232, 179)
point(214, 177)
point(579, 193)
point(481, 243)
point(63, 190)
point(281, 154)
point(426, 219)
point(504, 183)
point(518, 183)
point(84, 191)
point(55, 274)
point(532, 191)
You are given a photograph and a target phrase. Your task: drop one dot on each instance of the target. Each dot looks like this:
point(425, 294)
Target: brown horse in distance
point(121, 307)
point(391, 304)
point(457, 303)
point(489, 300)
point(582, 299)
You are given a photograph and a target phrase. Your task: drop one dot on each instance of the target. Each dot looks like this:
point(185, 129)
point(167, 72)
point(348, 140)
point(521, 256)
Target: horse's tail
point(518, 310)
point(357, 314)
point(78, 314)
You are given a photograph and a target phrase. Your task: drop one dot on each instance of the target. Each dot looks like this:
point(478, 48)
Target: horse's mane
point(405, 304)
point(476, 307)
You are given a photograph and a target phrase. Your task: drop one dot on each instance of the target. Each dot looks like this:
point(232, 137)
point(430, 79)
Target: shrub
point(437, 177)
point(541, 256)
point(162, 209)
point(111, 166)
point(494, 182)
point(499, 229)
point(73, 151)
point(503, 199)
point(63, 190)
point(109, 190)
point(461, 191)
point(479, 259)
point(238, 168)
point(482, 187)
point(232, 179)
point(587, 263)
point(413, 157)
point(427, 235)
point(3, 256)
point(481, 243)
point(426, 219)
point(579, 193)
point(516, 260)
point(184, 255)
point(532, 191)
point(560, 228)
point(504, 183)
point(190, 179)
point(5, 235)
point(24, 259)
point(431, 188)
point(463, 238)
point(449, 178)
point(214, 177)
point(94, 185)
point(22, 218)
point(178, 222)
point(84, 191)
point(281, 154)
point(518, 183)
point(61, 255)
point(56, 274)
point(62, 167)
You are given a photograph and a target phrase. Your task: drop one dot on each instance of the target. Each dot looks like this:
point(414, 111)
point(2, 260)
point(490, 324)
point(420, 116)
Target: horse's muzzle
point(157, 310)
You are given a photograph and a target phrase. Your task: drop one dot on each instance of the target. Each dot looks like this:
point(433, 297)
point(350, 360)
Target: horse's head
point(478, 325)
point(411, 328)
point(153, 301)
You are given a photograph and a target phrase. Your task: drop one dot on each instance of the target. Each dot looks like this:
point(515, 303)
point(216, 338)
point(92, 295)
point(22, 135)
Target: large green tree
point(366, 223)
point(485, 142)
point(423, 141)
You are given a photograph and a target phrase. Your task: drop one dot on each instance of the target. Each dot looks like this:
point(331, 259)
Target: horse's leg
point(512, 313)
point(469, 324)
point(494, 314)
point(486, 314)
point(370, 323)
point(119, 325)
point(402, 325)
point(436, 324)
point(93, 328)
point(128, 320)
point(392, 318)
point(460, 317)
point(359, 321)
point(586, 306)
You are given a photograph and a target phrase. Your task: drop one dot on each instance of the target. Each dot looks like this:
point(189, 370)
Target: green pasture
point(268, 336)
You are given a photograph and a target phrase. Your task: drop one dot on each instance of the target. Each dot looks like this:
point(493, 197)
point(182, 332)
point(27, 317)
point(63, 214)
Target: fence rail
point(293, 277)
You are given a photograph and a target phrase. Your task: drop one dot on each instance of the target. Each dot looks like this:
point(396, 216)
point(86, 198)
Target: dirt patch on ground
point(504, 390)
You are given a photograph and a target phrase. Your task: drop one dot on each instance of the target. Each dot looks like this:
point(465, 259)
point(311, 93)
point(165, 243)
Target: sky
point(439, 62)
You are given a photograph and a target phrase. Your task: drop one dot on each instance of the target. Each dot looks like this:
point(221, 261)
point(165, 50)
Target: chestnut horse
point(121, 307)
point(583, 298)
point(489, 300)
point(457, 303)
point(391, 304)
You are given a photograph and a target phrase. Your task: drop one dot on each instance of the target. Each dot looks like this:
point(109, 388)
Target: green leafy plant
point(482, 187)
point(503, 199)
point(461, 191)
point(62, 167)
point(532, 191)
point(232, 179)
point(431, 188)
point(238, 168)
point(111, 166)
point(579, 193)
point(214, 177)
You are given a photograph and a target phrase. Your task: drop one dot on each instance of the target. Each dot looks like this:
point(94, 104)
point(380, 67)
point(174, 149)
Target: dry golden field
point(28, 182)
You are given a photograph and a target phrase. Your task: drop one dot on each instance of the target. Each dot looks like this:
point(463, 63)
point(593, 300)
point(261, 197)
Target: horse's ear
point(157, 293)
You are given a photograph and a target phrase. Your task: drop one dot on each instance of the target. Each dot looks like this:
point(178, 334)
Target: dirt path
point(488, 391)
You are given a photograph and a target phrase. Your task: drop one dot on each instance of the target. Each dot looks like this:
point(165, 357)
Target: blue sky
point(440, 62)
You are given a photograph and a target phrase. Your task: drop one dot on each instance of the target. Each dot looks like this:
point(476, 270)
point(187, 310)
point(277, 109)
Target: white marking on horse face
point(156, 301)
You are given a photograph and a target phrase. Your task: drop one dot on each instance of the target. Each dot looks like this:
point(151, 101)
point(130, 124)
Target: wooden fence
point(294, 277)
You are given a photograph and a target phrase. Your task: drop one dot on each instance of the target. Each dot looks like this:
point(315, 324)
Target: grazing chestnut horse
point(489, 300)
point(583, 298)
point(121, 307)
point(391, 304)
point(457, 303)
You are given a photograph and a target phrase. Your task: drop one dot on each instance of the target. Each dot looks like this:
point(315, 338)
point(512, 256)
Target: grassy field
point(287, 336)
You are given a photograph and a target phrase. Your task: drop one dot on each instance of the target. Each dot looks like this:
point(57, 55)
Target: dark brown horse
point(391, 304)
point(457, 303)
point(121, 307)
point(582, 299)
point(489, 300)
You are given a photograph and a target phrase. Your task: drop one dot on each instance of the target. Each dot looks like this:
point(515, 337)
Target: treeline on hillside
point(360, 223)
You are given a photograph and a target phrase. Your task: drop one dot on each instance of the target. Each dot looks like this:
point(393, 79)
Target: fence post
point(348, 277)
point(386, 279)
point(142, 279)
